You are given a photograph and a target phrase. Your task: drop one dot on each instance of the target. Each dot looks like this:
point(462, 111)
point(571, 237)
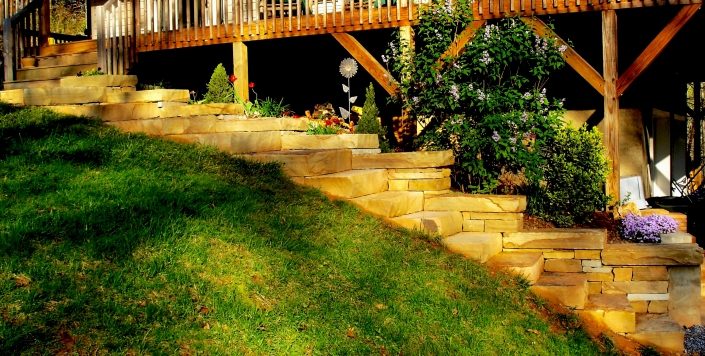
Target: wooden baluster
point(399, 10)
point(299, 13)
point(410, 7)
point(290, 14)
point(281, 15)
point(369, 10)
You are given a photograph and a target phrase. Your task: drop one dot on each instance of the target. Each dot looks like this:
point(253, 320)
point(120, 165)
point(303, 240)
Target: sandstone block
point(478, 246)
point(622, 274)
point(200, 109)
point(638, 297)
point(421, 159)
point(492, 216)
point(301, 163)
point(12, 96)
point(477, 203)
point(293, 124)
point(474, 225)
point(594, 287)
point(592, 263)
point(503, 225)
point(430, 184)
point(599, 276)
point(419, 173)
point(685, 295)
point(148, 96)
point(617, 313)
point(390, 204)
point(350, 184)
point(63, 96)
point(527, 264)
point(658, 307)
point(652, 254)
point(559, 254)
point(640, 306)
point(365, 151)
point(443, 223)
point(562, 265)
point(677, 238)
point(607, 270)
point(648, 287)
point(317, 142)
point(398, 184)
point(651, 273)
point(99, 81)
point(557, 239)
point(568, 289)
point(588, 254)
point(659, 331)
point(615, 287)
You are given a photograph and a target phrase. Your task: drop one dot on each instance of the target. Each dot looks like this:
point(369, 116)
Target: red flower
point(232, 78)
point(328, 122)
point(336, 120)
point(251, 85)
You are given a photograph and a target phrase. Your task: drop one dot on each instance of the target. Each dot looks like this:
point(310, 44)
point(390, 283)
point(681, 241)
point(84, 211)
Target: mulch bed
point(600, 220)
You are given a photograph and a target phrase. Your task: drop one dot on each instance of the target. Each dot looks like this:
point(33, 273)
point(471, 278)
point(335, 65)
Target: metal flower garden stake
point(348, 69)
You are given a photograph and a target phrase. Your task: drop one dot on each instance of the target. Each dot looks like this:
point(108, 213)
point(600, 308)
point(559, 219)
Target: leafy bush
point(220, 89)
point(574, 175)
point(267, 107)
point(331, 126)
point(488, 103)
point(646, 228)
point(369, 122)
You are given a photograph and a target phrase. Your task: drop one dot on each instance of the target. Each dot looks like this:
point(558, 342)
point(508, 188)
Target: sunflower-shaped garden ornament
point(348, 69)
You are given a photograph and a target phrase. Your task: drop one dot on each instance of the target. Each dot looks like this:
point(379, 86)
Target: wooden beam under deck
point(367, 61)
point(611, 100)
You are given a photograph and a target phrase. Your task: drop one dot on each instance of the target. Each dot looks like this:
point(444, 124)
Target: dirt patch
point(599, 220)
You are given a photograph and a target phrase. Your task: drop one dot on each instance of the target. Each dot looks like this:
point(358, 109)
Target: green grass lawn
point(125, 244)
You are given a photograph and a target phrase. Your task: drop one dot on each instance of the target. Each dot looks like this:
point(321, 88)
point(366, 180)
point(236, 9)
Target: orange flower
point(232, 78)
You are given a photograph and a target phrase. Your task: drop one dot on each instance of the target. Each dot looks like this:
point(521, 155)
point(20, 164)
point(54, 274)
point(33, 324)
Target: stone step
point(306, 163)
point(148, 96)
point(476, 202)
point(51, 72)
point(479, 246)
point(567, 289)
point(68, 59)
point(316, 142)
point(527, 264)
point(69, 48)
point(443, 223)
point(122, 81)
point(611, 310)
point(390, 204)
point(63, 96)
point(206, 124)
point(567, 239)
point(349, 184)
point(24, 84)
point(235, 142)
point(660, 331)
point(682, 254)
point(425, 159)
point(142, 111)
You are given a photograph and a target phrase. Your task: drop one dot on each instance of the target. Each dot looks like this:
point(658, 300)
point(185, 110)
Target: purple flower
point(454, 92)
point(646, 228)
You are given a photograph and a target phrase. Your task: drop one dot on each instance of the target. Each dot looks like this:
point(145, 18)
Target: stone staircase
point(53, 63)
point(644, 292)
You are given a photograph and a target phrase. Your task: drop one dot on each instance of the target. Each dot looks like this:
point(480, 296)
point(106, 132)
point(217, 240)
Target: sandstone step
point(148, 96)
point(612, 310)
point(69, 48)
point(235, 142)
point(683, 254)
point(314, 142)
point(24, 84)
point(425, 159)
point(479, 246)
point(350, 184)
point(68, 59)
point(142, 111)
point(527, 264)
point(51, 72)
point(63, 96)
point(304, 163)
point(476, 202)
point(12, 96)
point(567, 239)
point(658, 330)
point(390, 204)
point(567, 289)
point(129, 81)
point(443, 223)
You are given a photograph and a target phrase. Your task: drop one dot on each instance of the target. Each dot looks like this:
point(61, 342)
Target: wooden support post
point(8, 50)
point(465, 37)
point(240, 69)
point(404, 128)
point(611, 100)
point(44, 23)
point(367, 61)
point(697, 124)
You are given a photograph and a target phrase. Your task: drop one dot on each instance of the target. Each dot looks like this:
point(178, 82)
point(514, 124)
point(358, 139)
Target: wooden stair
point(55, 62)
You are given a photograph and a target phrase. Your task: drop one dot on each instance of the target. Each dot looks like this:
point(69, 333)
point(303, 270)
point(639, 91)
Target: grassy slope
point(124, 243)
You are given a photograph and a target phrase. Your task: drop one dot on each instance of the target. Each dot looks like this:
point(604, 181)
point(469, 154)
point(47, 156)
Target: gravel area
point(695, 340)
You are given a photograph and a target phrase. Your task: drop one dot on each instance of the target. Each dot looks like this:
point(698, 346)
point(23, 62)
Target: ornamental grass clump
point(646, 228)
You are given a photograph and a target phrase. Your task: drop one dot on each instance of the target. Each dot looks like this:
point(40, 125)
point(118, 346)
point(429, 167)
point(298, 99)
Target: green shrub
point(575, 172)
point(220, 89)
point(488, 103)
point(267, 107)
point(369, 120)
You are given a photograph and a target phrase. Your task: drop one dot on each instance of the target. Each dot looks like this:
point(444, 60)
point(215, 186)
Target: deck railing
point(116, 36)
point(23, 34)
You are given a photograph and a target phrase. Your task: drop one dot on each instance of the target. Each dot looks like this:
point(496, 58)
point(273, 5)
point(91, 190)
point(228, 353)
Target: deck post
point(44, 23)
point(611, 100)
point(404, 128)
point(240, 69)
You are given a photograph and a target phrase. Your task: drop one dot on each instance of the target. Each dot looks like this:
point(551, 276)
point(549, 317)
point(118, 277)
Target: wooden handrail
point(116, 35)
point(23, 34)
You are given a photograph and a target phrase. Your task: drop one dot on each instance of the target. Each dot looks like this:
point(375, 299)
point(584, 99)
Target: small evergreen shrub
point(369, 121)
point(575, 171)
point(220, 89)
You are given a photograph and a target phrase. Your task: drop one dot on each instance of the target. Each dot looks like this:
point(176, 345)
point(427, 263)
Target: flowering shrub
point(646, 228)
point(327, 126)
point(488, 104)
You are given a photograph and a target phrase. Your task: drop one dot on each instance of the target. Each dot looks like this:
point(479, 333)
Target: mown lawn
point(116, 243)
